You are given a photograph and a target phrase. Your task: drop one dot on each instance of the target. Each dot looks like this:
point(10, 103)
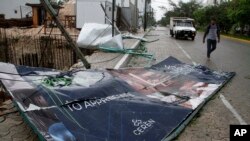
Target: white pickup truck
point(182, 27)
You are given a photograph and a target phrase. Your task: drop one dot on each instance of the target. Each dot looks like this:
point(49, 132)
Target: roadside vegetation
point(233, 16)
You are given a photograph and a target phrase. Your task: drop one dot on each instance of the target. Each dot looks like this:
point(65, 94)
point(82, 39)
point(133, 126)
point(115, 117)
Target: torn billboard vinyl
point(174, 82)
point(94, 35)
point(98, 105)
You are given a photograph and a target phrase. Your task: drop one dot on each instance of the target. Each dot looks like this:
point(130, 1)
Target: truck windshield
point(187, 24)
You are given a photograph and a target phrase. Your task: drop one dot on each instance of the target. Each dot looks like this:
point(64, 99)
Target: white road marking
point(231, 108)
point(188, 56)
point(125, 58)
point(223, 99)
point(121, 62)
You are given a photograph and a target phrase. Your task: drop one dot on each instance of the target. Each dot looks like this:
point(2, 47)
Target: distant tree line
point(232, 16)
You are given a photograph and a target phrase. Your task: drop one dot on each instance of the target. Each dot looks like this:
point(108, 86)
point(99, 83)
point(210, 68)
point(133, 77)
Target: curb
point(126, 58)
point(236, 39)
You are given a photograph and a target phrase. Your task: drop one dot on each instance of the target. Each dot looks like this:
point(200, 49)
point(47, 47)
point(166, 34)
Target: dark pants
point(211, 46)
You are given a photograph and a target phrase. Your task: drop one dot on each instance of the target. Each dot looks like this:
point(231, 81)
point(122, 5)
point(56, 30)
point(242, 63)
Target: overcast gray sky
point(159, 12)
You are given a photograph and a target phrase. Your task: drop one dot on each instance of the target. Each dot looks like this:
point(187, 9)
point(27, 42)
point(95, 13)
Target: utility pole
point(72, 44)
point(21, 12)
point(135, 16)
point(145, 16)
point(113, 17)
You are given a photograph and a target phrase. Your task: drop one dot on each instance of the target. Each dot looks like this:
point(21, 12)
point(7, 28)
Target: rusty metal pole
point(52, 13)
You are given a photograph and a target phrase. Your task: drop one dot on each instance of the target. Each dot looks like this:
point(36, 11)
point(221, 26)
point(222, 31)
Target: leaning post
point(72, 44)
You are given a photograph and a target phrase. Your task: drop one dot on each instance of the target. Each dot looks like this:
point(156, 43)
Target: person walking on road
point(213, 35)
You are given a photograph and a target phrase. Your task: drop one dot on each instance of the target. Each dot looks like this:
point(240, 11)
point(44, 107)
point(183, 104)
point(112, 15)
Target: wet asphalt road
point(230, 55)
point(212, 122)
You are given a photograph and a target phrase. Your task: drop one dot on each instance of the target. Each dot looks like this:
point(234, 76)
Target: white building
point(16, 8)
point(91, 11)
point(122, 3)
point(126, 3)
point(213, 2)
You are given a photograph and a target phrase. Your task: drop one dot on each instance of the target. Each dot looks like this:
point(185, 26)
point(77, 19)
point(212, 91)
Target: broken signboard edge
point(176, 132)
point(24, 116)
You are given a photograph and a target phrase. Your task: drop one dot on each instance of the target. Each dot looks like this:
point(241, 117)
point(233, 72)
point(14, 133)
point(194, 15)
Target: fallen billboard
point(106, 104)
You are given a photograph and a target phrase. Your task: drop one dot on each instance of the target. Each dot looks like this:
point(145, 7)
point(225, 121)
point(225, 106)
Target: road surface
point(231, 105)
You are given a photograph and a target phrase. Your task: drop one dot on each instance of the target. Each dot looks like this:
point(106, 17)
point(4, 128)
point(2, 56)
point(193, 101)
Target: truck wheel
point(192, 38)
point(171, 33)
point(176, 36)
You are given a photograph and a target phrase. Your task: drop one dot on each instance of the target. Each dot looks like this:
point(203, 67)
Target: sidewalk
point(161, 49)
point(101, 59)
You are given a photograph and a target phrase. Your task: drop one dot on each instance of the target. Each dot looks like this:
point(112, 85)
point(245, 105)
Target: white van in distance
point(182, 27)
